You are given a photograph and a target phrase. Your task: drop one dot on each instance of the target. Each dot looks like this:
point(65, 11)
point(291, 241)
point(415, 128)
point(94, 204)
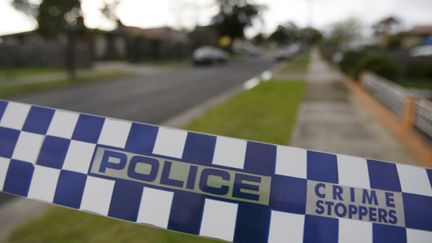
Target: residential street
point(153, 97)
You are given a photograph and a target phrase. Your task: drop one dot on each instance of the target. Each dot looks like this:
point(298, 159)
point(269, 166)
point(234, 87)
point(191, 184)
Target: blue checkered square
point(322, 167)
point(383, 176)
point(126, 200)
point(88, 128)
point(70, 188)
point(260, 158)
point(320, 230)
point(248, 232)
point(8, 140)
point(186, 212)
point(53, 152)
point(387, 233)
point(141, 138)
point(283, 189)
point(199, 148)
point(38, 120)
point(418, 211)
point(18, 178)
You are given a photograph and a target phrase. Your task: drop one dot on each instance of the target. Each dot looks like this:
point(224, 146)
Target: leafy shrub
point(420, 70)
point(394, 42)
point(378, 63)
point(349, 61)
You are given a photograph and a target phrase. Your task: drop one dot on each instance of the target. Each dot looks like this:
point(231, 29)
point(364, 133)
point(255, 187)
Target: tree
point(53, 16)
point(26, 7)
point(109, 11)
point(285, 34)
point(234, 16)
point(310, 35)
point(345, 32)
point(385, 28)
point(259, 39)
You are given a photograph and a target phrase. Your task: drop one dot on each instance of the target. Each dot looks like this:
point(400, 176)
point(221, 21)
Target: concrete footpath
point(332, 119)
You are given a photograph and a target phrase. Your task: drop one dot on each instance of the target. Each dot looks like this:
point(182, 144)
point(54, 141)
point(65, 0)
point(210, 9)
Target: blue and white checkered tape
point(213, 186)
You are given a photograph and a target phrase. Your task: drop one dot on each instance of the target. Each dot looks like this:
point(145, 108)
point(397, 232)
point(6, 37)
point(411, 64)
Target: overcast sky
point(188, 13)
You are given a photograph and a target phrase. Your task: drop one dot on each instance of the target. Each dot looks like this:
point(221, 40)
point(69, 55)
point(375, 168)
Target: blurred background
point(268, 70)
point(73, 34)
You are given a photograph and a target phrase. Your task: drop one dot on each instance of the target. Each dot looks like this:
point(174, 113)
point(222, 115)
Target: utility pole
point(70, 52)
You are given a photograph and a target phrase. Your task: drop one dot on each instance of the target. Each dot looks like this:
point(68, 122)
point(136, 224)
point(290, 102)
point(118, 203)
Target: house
point(108, 45)
point(419, 35)
point(203, 35)
point(162, 33)
point(124, 43)
point(31, 49)
point(137, 44)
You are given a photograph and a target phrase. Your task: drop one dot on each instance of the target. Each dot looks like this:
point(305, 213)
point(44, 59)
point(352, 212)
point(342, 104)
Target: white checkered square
point(97, 195)
point(291, 162)
point(4, 166)
point(79, 156)
point(354, 231)
point(418, 236)
point(353, 171)
point(44, 183)
point(219, 219)
point(63, 124)
point(230, 152)
point(286, 227)
point(115, 133)
point(170, 142)
point(414, 180)
point(155, 207)
point(28, 147)
point(15, 115)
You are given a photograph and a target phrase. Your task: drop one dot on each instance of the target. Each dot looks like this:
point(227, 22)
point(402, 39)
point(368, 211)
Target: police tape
point(207, 185)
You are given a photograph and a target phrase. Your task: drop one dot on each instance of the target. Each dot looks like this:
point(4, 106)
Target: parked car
point(288, 52)
point(421, 51)
point(209, 55)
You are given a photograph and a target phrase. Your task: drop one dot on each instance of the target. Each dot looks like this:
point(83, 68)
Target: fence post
point(408, 115)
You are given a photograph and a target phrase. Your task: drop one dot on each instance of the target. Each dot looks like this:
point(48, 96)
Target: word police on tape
point(212, 186)
point(168, 173)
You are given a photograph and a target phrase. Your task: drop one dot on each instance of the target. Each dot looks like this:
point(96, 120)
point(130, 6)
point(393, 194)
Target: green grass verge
point(266, 113)
point(39, 86)
point(26, 71)
point(298, 64)
point(66, 225)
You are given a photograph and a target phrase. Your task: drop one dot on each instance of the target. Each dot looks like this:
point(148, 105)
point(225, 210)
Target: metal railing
point(388, 93)
point(394, 97)
point(423, 116)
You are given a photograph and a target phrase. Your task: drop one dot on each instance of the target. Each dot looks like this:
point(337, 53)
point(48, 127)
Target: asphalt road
point(151, 98)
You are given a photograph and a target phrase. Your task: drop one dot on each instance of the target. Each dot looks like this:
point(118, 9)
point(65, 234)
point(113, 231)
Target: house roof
point(421, 30)
point(162, 33)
